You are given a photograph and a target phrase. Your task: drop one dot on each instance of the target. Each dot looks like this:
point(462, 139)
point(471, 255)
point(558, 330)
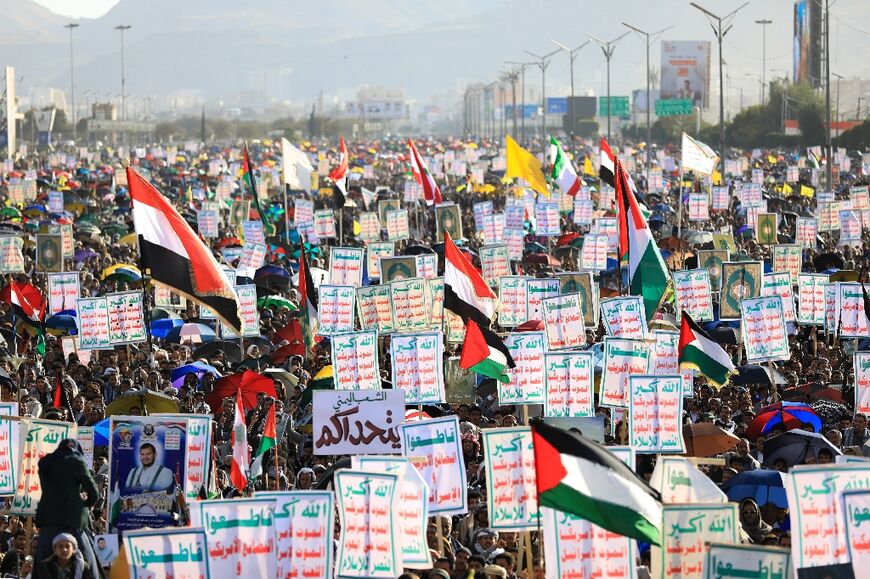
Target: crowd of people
point(58, 541)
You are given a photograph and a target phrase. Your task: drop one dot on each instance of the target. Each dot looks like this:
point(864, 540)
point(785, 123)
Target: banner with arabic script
point(166, 553)
point(9, 444)
point(147, 462)
point(198, 451)
point(345, 266)
point(811, 298)
point(512, 497)
point(39, 437)
point(856, 520)
point(367, 545)
point(355, 361)
point(357, 421)
point(686, 529)
point(418, 367)
point(241, 536)
point(569, 383)
point(563, 321)
point(747, 561)
point(852, 321)
point(693, 294)
point(862, 381)
point(574, 547)
point(526, 384)
point(624, 317)
point(304, 522)
point(780, 284)
point(437, 443)
point(11, 255)
point(622, 358)
point(412, 509)
point(512, 296)
point(655, 413)
point(336, 309)
point(814, 496)
point(63, 291)
point(763, 329)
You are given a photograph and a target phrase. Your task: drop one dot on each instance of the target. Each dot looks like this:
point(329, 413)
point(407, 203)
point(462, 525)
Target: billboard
point(807, 43)
point(374, 110)
point(686, 71)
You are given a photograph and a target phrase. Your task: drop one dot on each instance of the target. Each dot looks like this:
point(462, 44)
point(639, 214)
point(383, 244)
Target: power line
point(737, 48)
point(847, 25)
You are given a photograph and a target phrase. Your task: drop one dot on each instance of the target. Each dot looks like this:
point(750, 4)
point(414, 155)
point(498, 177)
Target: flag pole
point(527, 536)
point(680, 203)
point(146, 310)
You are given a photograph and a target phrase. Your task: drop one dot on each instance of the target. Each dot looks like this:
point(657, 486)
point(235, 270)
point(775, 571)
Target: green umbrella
point(115, 229)
point(277, 302)
point(10, 212)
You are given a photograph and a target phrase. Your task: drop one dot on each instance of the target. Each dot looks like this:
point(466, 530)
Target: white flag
point(297, 167)
point(679, 481)
point(698, 157)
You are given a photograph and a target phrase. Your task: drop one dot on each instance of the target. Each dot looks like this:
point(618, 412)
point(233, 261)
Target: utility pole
point(607, 48)
point(512, 76)
point(839, 78)
point(72, 76)
point(649, 101)
point(543, 65)
point(720, 35)
point(522, 66)
point(764, 23)
point(122, 28)
point(830, 152)
point(572, 53)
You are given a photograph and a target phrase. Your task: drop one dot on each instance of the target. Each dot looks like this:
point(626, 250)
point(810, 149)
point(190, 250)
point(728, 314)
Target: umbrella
point(698, 237)
point(248, 382)
point(115, 228)
point(146, 401)
point(271, 276)
point(418, 250)
point(830, 412)
point(789, 415)
point(794, 446)
point(705, 439)
point(178, 375)
point(724, 335)
point(162, 314)
point(84, 254)
point(276, 302)
point(190, 334)
point(130, 239)
point(753, 374)
point(122, 272)
point(761, 485)
point(161, 328)
point(59, 324)
point(662, 325)
point(232, 350)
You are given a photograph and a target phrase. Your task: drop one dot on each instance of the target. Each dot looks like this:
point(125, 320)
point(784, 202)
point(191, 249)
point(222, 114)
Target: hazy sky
point(79, 8)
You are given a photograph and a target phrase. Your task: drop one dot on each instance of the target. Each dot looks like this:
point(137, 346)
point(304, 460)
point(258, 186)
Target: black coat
point(49, 569)
point(64, 475)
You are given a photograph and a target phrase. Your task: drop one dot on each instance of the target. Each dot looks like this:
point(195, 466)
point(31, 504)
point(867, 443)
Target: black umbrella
point(828, 261)
point(752, 374)
point(418, 250)
point(724, 335)
point(232, 350)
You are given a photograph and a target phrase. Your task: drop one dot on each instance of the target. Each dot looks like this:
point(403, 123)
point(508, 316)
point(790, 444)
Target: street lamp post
point(607, 48)
point(512, 76)
point(522, 66)
point(839, 78)
point(764, 23)
point(720, 34)
point(572, 53)
point(72, 76)
point(122, 28)
point(649, 102)
point(543, 65)
point(830, 152)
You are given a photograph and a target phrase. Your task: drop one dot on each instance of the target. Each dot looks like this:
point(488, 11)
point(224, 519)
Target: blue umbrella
point(762, 486)
point(61, 324)
point(198, 368)
point(190, 333)
point(101, 433)
point(160, 328)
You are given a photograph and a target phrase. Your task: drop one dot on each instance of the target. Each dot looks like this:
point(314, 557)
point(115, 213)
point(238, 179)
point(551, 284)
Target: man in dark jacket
point(64, 476)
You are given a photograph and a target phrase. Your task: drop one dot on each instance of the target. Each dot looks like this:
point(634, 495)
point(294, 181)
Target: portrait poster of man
point(386, 205)
point(448, 218)
point(147, 463)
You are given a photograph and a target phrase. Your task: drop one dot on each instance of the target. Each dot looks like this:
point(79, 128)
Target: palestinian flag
point(27, 302)
point(307, 301)
point(176, 256)
point(648, 276)
point(580, 477)
point(468, 296)
point(248, 178)
point(563, 173)
point(339, 174)
point(239, 466)
point(270, 437)
point(698, 352)
point(431, 192)
point(607, 167)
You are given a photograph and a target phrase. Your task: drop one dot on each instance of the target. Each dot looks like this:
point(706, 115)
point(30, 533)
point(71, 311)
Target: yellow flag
point(717, 178)
point(521, 163)
point(807, 191)
point(786, 189)
point(587, 167)
point(771, 159)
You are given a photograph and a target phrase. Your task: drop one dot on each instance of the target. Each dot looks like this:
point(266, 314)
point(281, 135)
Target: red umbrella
point(249, 382)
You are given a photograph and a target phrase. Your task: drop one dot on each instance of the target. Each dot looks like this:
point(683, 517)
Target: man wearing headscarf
point(64, 476)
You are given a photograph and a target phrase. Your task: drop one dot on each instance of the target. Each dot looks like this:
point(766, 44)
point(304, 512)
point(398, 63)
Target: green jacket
point(64, 475)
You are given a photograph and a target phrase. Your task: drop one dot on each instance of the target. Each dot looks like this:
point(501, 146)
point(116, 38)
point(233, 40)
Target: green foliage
point(857, 137)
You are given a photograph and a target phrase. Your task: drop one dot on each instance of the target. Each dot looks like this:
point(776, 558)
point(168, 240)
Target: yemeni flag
point(648, 276)
point(176, 256)
point(307, 301)
point(248, 178)
point(26, 300)
point(468, 296)
point(607, 167)
point(578, 476)
point(698, 352)
point(563, 173)
point(431, 192)
point(339, 174)
point(239, 466)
